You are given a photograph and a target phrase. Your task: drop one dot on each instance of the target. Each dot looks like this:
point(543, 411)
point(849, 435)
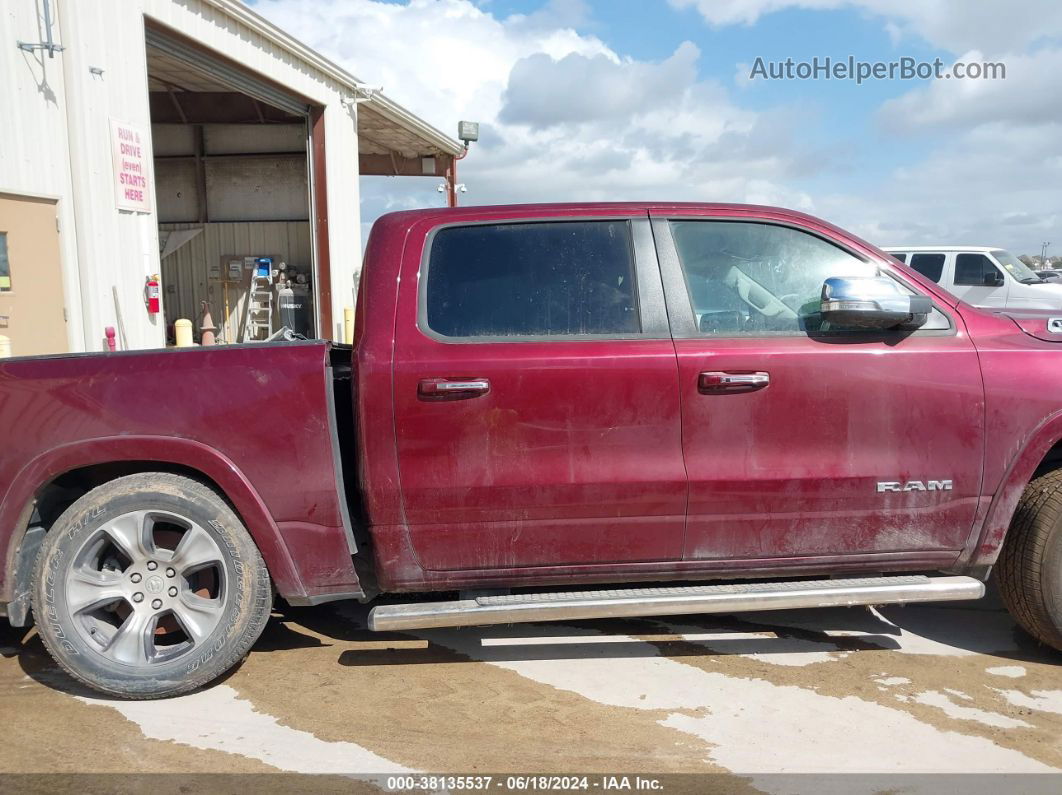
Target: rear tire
point(149, 586)
point(1030, 564)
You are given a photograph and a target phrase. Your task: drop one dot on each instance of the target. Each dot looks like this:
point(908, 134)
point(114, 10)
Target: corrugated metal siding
point(241, 186)
point(116, 250)
point(30, 129)
point(33, 149)
point(187, 268)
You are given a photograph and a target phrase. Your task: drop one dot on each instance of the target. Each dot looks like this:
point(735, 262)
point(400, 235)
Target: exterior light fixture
point(468, 131)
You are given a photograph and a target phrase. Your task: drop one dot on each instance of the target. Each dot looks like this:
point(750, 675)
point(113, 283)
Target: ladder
point(258, 311)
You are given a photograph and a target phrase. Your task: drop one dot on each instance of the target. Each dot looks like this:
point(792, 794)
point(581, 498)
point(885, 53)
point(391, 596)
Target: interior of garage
point(239, 192)
point(233, 196)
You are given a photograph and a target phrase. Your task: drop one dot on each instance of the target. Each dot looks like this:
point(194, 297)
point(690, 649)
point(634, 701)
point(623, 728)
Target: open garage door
point(215, 70)
point(236, 195)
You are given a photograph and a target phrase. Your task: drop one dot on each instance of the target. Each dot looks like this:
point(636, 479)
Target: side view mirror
point(872, 303)
point(994, 279)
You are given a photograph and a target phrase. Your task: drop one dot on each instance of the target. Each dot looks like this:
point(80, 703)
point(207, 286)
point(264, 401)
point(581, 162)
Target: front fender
point(985, 550)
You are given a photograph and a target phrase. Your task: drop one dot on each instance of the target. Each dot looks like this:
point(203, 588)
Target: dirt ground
point(756, 702)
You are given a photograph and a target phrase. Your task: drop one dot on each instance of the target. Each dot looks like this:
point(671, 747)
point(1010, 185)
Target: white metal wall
point(33, 143)
point(54, 139)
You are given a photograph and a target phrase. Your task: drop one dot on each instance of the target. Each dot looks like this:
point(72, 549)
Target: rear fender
point(162, 450)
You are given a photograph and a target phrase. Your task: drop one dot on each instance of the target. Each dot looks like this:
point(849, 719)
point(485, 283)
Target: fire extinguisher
point(152, 293)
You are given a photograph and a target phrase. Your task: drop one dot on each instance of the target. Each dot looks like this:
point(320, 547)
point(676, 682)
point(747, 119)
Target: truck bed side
point(256, 421)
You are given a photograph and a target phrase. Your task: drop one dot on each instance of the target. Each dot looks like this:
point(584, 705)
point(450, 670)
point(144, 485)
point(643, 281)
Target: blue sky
point(618, 99)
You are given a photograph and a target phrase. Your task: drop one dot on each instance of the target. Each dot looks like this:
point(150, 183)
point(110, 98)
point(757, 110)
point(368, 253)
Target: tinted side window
point(901, 257)
point(753, 278)
point(532, 279)
point(971, 269)
point(929, 265)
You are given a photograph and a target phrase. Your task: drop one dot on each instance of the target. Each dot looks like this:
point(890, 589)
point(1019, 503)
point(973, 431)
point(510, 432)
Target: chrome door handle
point(714, 383)
point(452, 389)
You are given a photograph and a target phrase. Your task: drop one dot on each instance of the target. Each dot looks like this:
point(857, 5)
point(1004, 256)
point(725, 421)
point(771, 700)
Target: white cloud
point(554, 14)
point(563, 116)
point(1029, 95)
point(444, 60)
point(995, 186)
point(566, 118)
point(540, 89)
point(747, 12)
point(955, 25)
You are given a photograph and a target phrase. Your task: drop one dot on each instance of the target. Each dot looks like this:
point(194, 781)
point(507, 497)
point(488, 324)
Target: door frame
point(56, 205)
point(679, 305)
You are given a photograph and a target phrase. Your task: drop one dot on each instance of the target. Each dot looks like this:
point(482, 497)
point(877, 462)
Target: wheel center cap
point(154, 584)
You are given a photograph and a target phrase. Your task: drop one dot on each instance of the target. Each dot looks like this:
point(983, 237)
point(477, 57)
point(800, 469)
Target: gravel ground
point(754, 702)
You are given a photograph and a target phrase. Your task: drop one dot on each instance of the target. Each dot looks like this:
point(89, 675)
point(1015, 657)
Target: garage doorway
point(236, 198)
point(32, 313)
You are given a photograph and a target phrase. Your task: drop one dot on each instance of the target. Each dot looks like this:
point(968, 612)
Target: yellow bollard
point(348, 325)
point(183, 331)
point(5, 347)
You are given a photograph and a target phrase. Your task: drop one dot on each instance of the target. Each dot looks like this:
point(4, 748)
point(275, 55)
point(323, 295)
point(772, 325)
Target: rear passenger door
point(536, 397)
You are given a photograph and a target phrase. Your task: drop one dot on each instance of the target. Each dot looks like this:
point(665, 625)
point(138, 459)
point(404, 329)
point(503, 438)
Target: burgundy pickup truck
point(542, 403)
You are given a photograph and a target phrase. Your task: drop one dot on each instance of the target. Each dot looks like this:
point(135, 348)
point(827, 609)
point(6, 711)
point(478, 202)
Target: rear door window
point(901, 257)
point(929, 265)
point(549, 279)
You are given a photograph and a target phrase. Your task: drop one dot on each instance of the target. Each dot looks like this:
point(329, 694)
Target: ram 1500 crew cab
point(545, 409)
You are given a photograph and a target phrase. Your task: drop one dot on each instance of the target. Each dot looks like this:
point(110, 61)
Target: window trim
point(649, 291)
point(680, 304)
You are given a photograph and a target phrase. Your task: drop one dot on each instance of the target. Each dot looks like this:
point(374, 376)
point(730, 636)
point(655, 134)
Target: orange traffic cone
point(206, 326)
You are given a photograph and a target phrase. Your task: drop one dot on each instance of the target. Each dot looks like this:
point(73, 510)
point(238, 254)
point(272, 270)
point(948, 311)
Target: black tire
point(1030, 564)
point(77, 639)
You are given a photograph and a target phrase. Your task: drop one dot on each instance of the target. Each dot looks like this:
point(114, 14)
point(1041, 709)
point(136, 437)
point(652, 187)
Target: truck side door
point(804, 444)
point(536, 396)
point(979, 281)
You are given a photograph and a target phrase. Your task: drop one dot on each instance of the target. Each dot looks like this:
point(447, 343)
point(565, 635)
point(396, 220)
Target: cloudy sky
point(651, 99)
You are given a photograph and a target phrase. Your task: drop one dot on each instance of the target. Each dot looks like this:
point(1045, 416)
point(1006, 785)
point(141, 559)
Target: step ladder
point(258, 311)
point(668, 601)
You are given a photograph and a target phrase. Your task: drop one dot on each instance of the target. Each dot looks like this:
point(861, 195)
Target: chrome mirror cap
point(872, 303)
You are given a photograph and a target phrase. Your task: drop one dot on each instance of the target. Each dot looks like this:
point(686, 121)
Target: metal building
point(190, 140)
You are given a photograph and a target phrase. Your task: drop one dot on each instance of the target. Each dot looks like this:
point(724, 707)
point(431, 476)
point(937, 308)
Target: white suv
point(982, 276)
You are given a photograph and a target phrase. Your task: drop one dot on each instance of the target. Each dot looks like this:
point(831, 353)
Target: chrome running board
point(668, 601)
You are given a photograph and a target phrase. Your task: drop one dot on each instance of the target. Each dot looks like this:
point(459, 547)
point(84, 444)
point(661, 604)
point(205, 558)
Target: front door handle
point(452, 388)
point(718, 383)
